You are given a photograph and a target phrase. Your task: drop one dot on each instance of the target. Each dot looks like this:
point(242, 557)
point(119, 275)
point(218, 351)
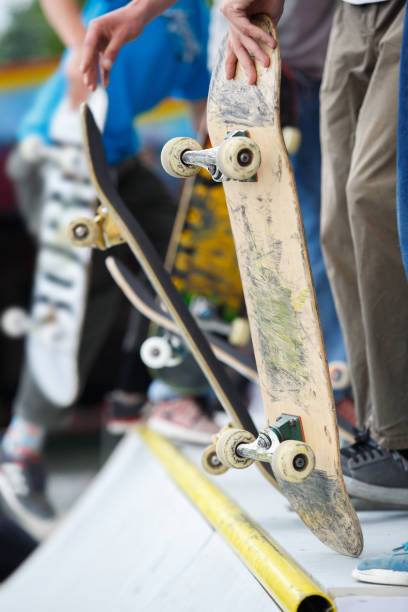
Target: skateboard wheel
point(156, 353)
point(226, 448)
point(31, 149)
point(339, 375)
point(211, 463)
point(171, 157)
point(292, 138)
point(238, 158)
point(83, 232)
point(239, 334)
point(293, 461)
point(15, 322)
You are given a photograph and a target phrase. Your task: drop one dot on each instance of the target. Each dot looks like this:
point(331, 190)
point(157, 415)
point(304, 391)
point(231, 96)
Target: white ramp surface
point(134, 543)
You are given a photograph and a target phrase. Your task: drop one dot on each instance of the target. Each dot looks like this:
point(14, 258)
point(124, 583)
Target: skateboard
point(229, 355)
point(53, 325)
point(250, 158)
point(114, 224)
point(319, 496)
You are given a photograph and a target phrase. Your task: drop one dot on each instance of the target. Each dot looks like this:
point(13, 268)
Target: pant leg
point(341, 94)
point(155, 208)
point(307, 170)
point(359, 107)
point(371, 197)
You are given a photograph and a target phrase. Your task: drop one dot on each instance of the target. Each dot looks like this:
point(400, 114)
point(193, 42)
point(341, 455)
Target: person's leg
point(341, 94)
point(371, 197)
point(153, 205)
point(307, 170)
point(376, 322)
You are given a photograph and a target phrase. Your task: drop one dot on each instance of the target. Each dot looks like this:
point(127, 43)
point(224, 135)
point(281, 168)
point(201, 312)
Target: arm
point(65, 17)
point(107, 35)
point(244, 37)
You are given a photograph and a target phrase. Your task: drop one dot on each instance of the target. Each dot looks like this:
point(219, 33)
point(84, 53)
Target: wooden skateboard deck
point(145, 303)
point(279, 295)
point(150, 262)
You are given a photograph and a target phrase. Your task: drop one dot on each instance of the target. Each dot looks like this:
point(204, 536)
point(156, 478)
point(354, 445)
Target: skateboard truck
point(237, 158)
point(101, 231)
point(15, 322)
point(281, 444)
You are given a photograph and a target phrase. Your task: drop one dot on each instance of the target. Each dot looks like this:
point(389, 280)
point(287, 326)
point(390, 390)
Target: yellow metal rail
point(290, 587)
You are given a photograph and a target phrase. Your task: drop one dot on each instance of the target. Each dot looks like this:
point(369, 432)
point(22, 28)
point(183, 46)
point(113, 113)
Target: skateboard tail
point(321, 503)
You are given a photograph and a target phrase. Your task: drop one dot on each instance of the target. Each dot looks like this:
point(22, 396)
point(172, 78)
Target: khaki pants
point(359, 227)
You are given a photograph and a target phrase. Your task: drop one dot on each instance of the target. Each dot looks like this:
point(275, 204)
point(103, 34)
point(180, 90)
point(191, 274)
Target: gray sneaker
point(22, 494)
point(375, 473)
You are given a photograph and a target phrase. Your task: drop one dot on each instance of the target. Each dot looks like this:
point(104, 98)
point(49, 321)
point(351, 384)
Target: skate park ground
point(131, 540)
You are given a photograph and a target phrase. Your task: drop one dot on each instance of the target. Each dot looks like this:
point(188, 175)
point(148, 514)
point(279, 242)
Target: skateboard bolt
point(300, 462)
point(81, 231)
point(214, 460)
point(263, 440)
point(244, 157)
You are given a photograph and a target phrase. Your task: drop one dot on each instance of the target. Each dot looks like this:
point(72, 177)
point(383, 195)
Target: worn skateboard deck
point(150, 262)
point(279, 295)
point(145, 303)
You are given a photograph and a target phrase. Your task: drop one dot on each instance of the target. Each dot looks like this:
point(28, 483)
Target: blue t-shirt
point(169, 58)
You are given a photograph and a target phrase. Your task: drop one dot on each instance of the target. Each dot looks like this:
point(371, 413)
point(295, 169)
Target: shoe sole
point(381, 576)
point(375, 493)
point(180, 434)
point(36, 527)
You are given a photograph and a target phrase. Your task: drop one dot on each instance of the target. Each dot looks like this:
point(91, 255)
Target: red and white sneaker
point(182, 419)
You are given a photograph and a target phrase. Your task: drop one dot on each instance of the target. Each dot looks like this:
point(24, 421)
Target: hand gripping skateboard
point(54, 325)
point(144, 302)
point(251, 160)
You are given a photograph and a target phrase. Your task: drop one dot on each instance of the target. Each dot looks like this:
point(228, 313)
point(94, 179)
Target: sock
point(23, 439)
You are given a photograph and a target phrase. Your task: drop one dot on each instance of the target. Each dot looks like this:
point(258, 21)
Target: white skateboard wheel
point(83, 232)
point(171, 157)
point(226, 448)
point(293, 138)
point(156, 352)
point(15, 322)
point(339, 375)
point(293, 461)
point(239, 334)
point(238, 158)
point(32, 149)
point(211, 463)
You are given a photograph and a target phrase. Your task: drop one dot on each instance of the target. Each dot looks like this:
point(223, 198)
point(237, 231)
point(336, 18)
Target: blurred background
point(29, 53)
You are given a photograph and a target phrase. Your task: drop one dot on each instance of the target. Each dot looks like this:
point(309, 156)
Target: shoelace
point(400, 459)
point(363, 446)
point(403, 546)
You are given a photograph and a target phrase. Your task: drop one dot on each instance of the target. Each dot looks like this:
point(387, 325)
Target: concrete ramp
point(134, 543)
